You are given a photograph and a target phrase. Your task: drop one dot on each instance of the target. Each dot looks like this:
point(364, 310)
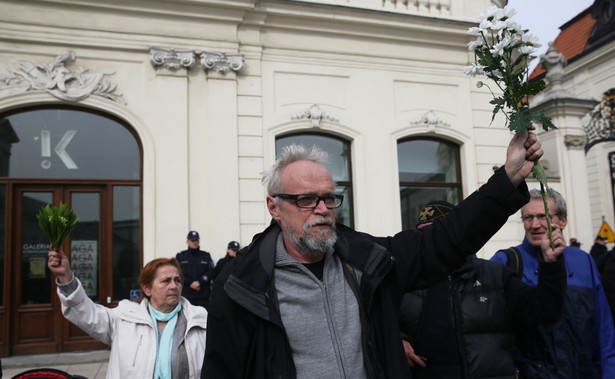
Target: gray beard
point(313, 247)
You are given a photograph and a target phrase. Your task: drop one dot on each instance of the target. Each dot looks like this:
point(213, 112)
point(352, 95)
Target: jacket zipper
point(457, 300)
point(134, 361)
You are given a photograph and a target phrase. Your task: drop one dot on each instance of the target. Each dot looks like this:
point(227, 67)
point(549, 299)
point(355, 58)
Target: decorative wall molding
point(172, 59)
point(575, 142)
point(56, 79)
point(315, 114)
point(437, 8)
point(221, 63)
point(431, 120)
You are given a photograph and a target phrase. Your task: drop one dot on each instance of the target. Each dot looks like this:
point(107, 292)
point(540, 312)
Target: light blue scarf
point(164, 344)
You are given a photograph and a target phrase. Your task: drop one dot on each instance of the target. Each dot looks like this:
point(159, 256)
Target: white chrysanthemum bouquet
point(502, 52)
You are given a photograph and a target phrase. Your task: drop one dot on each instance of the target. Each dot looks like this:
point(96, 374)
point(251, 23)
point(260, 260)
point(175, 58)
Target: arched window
point(429, 169)
point(66, 143)
point(340, 166)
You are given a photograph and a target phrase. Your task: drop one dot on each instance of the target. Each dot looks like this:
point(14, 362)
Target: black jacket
point(475, 308)
point(220, 265)
point(608, 282)
point(245, 335)
point(601, 255)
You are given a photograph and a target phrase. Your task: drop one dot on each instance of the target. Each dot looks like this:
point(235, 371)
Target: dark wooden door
point(36, 322)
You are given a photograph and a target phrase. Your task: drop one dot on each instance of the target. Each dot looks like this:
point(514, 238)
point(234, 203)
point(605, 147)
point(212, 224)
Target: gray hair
point(271, 178)
point(560, 203)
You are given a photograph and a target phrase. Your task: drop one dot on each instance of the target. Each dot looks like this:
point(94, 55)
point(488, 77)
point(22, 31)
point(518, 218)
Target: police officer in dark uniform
point(198, 269)
point(231, 253)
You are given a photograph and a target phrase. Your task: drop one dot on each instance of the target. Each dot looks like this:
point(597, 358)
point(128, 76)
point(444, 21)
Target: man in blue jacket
point(582, 343)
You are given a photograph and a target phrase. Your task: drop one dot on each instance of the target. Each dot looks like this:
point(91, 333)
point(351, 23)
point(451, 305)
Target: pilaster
point(223, 153)
point(172, 205)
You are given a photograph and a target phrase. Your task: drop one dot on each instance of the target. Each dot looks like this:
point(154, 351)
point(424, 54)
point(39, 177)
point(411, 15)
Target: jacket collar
point(251, 282)
point(532, 250)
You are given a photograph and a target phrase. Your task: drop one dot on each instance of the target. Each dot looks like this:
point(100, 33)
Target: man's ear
point(272, 207)
point(563, 222)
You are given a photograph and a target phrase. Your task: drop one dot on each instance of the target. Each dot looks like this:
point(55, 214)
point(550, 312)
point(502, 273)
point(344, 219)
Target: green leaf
point(499, 104)
point(520, 122)
point(544, 120)
point(43, 220)
point(533, 88)
point(539, 173)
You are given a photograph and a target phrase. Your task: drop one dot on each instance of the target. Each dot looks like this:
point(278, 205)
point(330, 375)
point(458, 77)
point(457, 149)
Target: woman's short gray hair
point(271, 178)
point(560, 203)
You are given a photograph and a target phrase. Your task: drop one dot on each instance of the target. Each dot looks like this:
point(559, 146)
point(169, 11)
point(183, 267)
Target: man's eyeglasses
point(311, 200)
point(541, 217)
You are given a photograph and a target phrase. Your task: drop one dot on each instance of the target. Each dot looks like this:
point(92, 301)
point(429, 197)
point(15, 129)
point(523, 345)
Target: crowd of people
point(309, 298)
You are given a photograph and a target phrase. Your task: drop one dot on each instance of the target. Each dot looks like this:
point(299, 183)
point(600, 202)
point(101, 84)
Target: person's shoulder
point(499, 257)
point(128, 307)
point(346, 230)
point(193, 311)
point(579, 260)
point(128, 304)
point(355, 237)
point(494, 265)
point(576, 254)
point(489, 264)
point(496, 272)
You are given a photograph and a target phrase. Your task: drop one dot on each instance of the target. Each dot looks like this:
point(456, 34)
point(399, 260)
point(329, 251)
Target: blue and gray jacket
point(582, 343)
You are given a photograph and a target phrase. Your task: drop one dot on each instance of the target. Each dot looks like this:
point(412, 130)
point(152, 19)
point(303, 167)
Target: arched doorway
point(91, 161)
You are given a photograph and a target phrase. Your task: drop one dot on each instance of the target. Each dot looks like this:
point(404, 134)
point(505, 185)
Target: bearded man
point(310, 298)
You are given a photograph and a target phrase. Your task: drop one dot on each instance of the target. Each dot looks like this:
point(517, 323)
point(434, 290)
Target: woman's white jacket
point(129, 330)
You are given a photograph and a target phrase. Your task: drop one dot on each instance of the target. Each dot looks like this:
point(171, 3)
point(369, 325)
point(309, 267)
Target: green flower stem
point(538, 172)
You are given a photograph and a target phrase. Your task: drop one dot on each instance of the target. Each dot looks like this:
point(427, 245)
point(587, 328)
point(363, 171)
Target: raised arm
point(426, 256)
point(94, 319)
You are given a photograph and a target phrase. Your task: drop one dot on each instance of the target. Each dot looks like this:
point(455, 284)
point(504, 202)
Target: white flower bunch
point(502, 51)
point(498, 34)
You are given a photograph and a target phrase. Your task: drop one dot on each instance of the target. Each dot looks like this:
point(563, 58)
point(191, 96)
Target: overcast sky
point(544, 17)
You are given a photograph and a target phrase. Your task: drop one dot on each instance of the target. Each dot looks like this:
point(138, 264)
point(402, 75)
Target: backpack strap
point(514, 261)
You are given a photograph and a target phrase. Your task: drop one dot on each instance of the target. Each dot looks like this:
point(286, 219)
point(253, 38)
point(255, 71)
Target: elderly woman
point(163, 336)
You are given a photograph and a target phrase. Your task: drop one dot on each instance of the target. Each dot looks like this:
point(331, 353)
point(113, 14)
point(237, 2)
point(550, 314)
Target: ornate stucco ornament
point(221, 62)
point(601, 125)
point(315, 114)
point(56, 79)
point(431, 120)
point(172, 59)
point(554, 63)
point(575, 142)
